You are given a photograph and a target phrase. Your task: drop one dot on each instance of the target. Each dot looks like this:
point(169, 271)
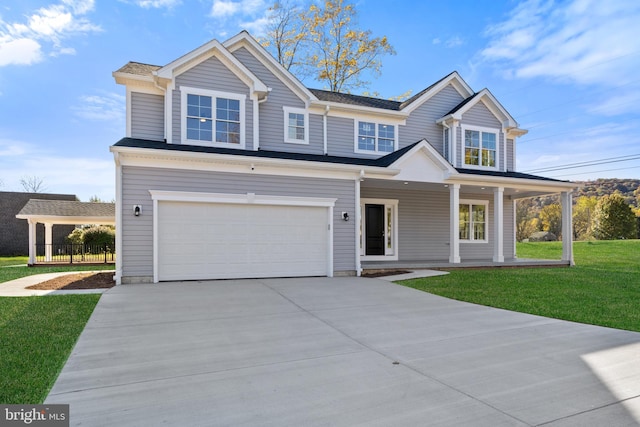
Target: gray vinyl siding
point(147, 116)
point(423, 225)
point(272, 117)
point(212, 75)
point(340, 137)
point(137, 232)
point(422, 122)
point(423, 222)
point(510, 157)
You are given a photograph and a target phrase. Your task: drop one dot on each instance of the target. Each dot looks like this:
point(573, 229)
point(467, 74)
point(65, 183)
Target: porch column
point(567, 227)
point(48, 240)
point(498, 224)
point(454, 223)
point(32, 241)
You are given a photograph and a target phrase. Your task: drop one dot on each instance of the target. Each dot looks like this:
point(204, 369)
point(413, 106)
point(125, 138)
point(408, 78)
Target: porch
point(368, 266)
point(59, 212)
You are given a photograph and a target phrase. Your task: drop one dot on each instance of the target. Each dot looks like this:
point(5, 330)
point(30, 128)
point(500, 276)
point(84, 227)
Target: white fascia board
point(69, 220)
point(127, 78)
point(454, 79)
point(206, 51)
point(357, 111)
point(431, 153)
point(130, 156)
point(244, 39)
point(517, 183)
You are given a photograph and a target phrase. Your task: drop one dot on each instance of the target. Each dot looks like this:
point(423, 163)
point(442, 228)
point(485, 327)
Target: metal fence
point(73, 253)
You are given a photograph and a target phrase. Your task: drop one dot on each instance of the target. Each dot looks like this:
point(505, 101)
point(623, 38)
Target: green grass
point(13, 260)
point(10, 273)
point(602, 289)
point(37, 336)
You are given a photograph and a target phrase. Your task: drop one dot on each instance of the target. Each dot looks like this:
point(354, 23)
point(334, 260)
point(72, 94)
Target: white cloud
point(580, 41)
point(226, 8)
point(157, 4)
point(45, 29)
point(107, 107)
point(454, 42)
point(9, 148)
point(436, 41)
point(20, 51)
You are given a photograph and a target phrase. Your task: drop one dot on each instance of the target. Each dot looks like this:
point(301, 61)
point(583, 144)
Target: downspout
point(118, 276)
point(324, 130)
point(256, 118)
point(447, 127)
point(358, 238)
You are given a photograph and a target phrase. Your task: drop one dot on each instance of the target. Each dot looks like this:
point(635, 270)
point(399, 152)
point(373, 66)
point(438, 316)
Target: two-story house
point(231, 168)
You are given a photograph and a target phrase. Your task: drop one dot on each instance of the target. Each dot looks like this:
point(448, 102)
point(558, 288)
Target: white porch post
point(567, 227)
point(498, 224)
point(48, 241)
point(32, 242)
point(358, 219)
point(454, 224)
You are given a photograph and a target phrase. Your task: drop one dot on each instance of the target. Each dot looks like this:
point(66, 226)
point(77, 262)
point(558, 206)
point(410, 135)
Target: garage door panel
point(209, 241)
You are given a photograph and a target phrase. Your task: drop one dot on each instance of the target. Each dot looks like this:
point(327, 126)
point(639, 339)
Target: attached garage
point(199, 236)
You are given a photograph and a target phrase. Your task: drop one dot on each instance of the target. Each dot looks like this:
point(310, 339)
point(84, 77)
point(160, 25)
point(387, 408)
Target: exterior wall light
point(137, 210)
point(345, 216)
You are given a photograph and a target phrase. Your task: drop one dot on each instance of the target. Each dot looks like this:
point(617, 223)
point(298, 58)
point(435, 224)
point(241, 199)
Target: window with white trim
point(473, 220)
point(212, 117)
point(375, 137)
point(296, 125)
point(480, 147)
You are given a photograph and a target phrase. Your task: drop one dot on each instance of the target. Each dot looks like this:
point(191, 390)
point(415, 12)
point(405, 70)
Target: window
point(375, 137)
point(480, 148)
point(296, 129)
point(212, 118)
point(473, 220)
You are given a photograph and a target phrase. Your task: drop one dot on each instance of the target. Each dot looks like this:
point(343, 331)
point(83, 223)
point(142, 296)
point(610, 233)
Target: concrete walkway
point(18, 287)
point(339, 352)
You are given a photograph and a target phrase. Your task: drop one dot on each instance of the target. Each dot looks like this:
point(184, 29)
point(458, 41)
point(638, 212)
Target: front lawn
point(13, 260)
point(37, 335)
point(602, 289)
point(9, 273)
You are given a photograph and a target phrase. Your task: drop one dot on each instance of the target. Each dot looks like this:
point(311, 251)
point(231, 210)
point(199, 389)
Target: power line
point(587, 163)
point(604, 170)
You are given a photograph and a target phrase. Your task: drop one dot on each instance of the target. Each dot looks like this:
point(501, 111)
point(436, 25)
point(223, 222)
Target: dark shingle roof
point(363, 101)
point(68, 208)
point(382, 162)
point(138, 68)
point(462, 104)
point(423, 91)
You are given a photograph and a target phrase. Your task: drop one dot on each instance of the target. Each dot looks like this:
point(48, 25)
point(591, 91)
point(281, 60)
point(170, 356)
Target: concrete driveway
point(339, 352)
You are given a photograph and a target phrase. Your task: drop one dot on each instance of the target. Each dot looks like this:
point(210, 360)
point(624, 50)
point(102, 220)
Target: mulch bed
point(385, 273)
point(78, 281)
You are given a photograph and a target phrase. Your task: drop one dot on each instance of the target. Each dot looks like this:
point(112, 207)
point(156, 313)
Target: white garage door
point(224, 241)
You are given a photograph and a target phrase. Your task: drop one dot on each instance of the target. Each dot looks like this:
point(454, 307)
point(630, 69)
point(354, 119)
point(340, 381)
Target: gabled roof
point(67, 208)
point(206, 51)
point(485, 96)
point(138, 68)
point(244, 39)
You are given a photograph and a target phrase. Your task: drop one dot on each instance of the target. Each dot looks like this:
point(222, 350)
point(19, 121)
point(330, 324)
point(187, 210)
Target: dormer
point(480, 133)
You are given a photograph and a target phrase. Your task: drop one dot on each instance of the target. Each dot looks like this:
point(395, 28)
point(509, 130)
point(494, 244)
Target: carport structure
point(62, 212)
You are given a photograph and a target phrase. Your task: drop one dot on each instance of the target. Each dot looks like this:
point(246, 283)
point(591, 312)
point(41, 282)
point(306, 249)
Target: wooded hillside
point(603, 209)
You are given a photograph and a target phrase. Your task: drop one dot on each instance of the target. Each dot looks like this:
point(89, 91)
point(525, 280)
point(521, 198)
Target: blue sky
point(568, 71)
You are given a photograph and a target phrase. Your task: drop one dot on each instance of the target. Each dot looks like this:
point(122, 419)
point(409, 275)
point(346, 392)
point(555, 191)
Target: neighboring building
point(238, 170)
point(14, 232)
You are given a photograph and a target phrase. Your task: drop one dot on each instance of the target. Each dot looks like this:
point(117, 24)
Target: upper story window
point(473, 220)
point(375, 137)
point(296, 125)
point(480, 147)
point(212, 117)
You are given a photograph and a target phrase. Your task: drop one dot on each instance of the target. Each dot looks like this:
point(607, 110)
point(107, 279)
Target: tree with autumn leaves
point(324, 42)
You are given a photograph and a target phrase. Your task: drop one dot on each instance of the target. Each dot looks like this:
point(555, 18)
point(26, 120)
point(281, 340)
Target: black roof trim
point(509, 174)
point(160, 145)
point(381, 162)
